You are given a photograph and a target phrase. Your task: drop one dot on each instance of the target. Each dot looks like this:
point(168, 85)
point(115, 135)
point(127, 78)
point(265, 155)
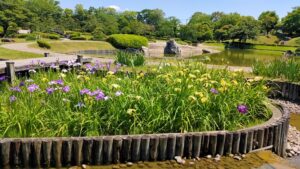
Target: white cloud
point(117, 8)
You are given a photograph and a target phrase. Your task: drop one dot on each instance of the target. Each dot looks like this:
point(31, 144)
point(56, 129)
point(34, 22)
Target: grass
point(186, 97)
point(72, 47)
point(268, 40)
point(13, 54)
point(294, 42)
point(283, 69)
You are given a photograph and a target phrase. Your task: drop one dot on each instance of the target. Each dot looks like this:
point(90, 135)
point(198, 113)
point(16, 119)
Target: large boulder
point(172, 48)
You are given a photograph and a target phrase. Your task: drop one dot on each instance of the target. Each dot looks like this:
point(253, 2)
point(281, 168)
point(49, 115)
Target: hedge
point(78, 38)
point(124, 41)
point(43, 44)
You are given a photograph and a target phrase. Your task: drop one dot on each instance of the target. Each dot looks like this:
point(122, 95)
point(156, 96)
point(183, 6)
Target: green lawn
point(294, 42)
point(75, 46)
point(13, 54)
point(268, 40)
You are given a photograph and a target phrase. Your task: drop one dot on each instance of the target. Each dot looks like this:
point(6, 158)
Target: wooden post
point(266, 133)
point(77, 151)
point(135, 148)
point(15, 153)
point(260, 137)
point(163, 141)
point(107, 150)
point(243, 142)
point(10, 71)
point(56, 152)
point(4, 156)
point(197, 139)
point(87, 150)
point(145, 142)
point(171, 146)
point(188, 146)
point(126, 149)
point(228, 143)
point(250, 141)
point(97, 151)
point(46, 152)
point(67, 152)
point(270, 137)
point(46, 55)
point(213, 144)
point(154, 141)
point(221, 143)
point(79, 59)
point(36, 152)
point(205, 145)
point(236, 143)
point(117, 145)
point(25, 149)
point(179, 145)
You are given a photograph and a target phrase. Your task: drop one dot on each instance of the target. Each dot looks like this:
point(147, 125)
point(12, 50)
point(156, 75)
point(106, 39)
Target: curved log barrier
point(58, 152)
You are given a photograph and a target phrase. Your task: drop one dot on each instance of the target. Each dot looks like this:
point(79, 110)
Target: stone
point(206, 51)
point(172, 48)
point(208, 156)
point(179, 160)
point(83, 166)
point(237, 158)
point(123, 166)
point(191, 163)
point(7, 40)
point(115, 167)
point(129, 164)
point(198, 158)
point(145, 50)
point(244, 156)
point(231, 155)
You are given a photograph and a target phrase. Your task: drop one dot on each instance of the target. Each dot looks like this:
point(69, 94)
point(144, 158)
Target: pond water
point(239, 57)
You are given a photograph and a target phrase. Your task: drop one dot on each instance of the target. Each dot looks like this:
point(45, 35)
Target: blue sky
point(183, 9)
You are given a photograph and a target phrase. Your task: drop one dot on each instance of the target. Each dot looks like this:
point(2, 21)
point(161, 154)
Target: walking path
point(63, 57)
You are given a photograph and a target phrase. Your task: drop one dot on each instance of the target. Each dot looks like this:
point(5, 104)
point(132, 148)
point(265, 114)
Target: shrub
point(22, 36)
point(288, 70)
point(78, 38)
point(1, 30)
point(184, 98)
point(43, 44)
point(297, 51)
point(130, 58)
point(53, 36)
point(124, 41)
point(31, 37)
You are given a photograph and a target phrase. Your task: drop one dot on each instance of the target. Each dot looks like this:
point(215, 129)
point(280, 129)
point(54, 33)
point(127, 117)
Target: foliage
point(78, 38)
point(288, 70)
point(123, 41)
point(246, 28)
point(268, 20)
point(98, 34)
point(291, 23)
point(1, 30)
point(43, 44)
point(184, 98)
point(130, 58)
point(31, 37)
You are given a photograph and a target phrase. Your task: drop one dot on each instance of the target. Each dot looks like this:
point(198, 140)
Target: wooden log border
point(61, 152)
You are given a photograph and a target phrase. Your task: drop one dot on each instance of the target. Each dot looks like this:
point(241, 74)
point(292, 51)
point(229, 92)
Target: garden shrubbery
point(284, 69)
point(124, 41)
point(78, 38)
point(98, 100)
point(130, 58)
point(43, 44)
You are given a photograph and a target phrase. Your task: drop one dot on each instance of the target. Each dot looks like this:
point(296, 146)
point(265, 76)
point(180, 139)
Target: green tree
point(247, 28)
point(151, 17)
point(291, 23)
point(169, 27)
point(268, 20)
point(13, 14)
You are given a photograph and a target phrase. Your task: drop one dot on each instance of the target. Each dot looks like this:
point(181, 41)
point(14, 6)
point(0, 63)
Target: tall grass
point(284, 69)
point(130, 58)
point(187, 97)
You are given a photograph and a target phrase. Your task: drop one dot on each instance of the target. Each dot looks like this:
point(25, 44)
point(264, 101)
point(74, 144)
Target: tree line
point(47, 16)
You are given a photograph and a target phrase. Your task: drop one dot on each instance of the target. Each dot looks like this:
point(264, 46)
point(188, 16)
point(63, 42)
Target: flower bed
point(94, 102)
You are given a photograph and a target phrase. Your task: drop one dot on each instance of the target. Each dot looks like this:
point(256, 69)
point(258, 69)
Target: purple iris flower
point(15, 89)
point(66, 89)
point(12, 98)
point(108, 66)
point(22, 84)
point(80, 105)
point(94, 93)
point(60, 82)
point(50, 90)
point(85, 91)
point(33, 87)
point(100, 96)
point(2, 78)
point(243, 109)
point(214, 91)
